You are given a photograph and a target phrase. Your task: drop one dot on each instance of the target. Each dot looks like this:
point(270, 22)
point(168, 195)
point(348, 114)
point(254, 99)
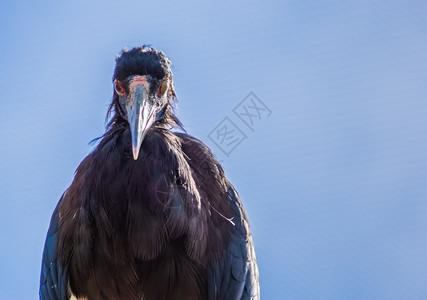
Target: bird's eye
point(118, 87)
point(163, 87)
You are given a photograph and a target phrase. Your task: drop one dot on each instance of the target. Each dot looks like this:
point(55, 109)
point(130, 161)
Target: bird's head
point(143, 91)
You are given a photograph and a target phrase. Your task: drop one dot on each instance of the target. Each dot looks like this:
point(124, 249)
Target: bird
point(150, 213)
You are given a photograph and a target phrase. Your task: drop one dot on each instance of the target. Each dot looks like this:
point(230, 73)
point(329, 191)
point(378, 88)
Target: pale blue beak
point(141, 115)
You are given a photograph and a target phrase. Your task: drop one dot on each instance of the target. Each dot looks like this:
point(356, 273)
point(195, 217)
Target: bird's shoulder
point(200, 157)
point(189, 143)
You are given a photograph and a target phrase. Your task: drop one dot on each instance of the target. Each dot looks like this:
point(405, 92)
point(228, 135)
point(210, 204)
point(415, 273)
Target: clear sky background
point(334, 180)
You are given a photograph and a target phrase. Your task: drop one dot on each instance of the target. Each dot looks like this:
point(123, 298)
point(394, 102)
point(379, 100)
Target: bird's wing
point(53, 285)
point(235, 276)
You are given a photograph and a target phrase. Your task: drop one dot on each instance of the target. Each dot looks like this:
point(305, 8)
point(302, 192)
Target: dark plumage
point(156, 222)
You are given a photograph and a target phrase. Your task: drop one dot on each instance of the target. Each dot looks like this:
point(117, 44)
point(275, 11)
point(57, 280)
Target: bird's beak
point(141, 115)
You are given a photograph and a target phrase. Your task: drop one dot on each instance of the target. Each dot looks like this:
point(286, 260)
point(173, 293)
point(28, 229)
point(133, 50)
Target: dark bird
point(150, 214)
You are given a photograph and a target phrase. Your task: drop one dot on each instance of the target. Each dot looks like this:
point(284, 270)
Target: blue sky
point(334, 180)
